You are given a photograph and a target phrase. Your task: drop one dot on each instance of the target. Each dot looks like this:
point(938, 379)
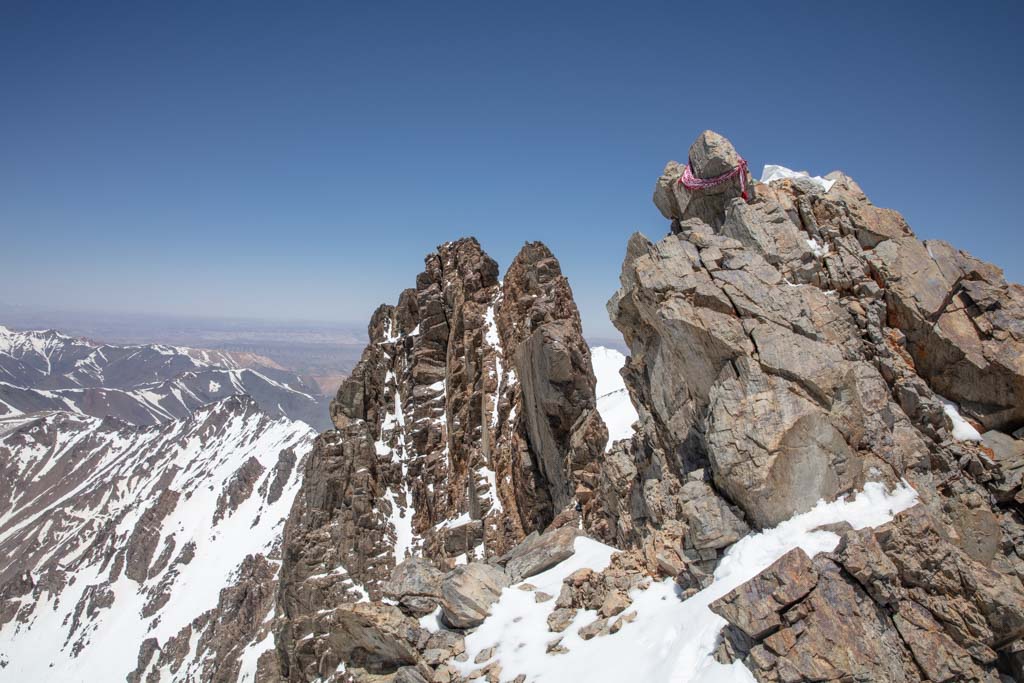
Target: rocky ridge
point(800, 345)
point(45, 370)
point(783, 351)
point(469, 423)
point(146, 552)
point(468, 519)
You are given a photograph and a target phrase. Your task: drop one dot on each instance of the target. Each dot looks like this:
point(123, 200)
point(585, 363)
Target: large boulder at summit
point(710, 155)
point(469, 423)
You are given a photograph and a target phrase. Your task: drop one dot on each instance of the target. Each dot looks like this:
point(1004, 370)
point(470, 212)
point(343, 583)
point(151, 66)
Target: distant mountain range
point(146, 384)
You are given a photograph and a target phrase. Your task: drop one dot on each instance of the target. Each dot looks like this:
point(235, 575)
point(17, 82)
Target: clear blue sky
point(297, 160)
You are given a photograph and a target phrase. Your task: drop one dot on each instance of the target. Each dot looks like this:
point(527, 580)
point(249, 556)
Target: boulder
point(755, 607)
point(368, 635)
point(416, 585)
point(710, 155)
point(713, 524)
point(468, 592)
point(772, 451)
point(540, 552)
point(409, 674)
point(1008, 454)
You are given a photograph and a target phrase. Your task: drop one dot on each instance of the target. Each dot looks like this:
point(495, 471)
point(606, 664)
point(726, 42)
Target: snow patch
point(671, 639)
point(775, 172)
point(613, 401)
point(962, 429)
point(817, 248)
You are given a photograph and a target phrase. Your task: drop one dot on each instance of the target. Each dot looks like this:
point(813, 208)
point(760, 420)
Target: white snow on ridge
point(775, 172)
point(962, 429)
point(613, 401)
point(671, 640)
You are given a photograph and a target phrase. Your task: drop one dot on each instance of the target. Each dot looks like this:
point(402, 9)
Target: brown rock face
point(790, 349)
point(899, 603)
point(964, 325)
point(552, 361)
point(469, 422)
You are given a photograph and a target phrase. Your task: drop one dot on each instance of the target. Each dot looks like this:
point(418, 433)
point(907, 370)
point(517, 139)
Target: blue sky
point(297, 160)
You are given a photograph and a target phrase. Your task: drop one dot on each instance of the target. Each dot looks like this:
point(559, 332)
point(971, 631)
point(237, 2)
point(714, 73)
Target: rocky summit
point(822, 480)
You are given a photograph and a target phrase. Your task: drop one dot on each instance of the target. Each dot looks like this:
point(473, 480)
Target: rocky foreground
point(823, 480)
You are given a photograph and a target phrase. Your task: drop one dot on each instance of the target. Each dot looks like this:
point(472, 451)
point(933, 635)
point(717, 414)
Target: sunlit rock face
point(470, 422)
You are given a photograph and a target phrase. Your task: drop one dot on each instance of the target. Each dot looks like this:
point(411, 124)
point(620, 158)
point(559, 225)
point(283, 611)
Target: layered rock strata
point(469, 422)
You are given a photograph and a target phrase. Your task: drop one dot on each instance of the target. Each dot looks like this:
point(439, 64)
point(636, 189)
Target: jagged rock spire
point(469, 422)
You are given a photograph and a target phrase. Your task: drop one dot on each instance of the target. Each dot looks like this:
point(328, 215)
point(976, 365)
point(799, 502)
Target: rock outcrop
point(469, 422)
point(898, 603)
point(792, 348)
point(468, 592)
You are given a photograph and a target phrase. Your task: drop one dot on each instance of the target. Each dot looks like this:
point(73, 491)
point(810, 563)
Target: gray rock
point(756, 606)
point(560, 618)
point(773, 452)
point(963, 322)
point(1008, 454)
point(899, 603)
point(712, 155)
point(370, 636)
point(468, 592)
point(598, 627)
point(539, 553)
point(409, 674)
point(766, 229)
point(416, 585)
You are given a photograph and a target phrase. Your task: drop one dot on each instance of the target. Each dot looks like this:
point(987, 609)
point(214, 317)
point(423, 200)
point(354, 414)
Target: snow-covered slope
point(670, 640)
point(149, 384)
point(127, 547)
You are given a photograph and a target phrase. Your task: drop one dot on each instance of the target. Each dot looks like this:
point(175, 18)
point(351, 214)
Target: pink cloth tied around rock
point(692, 182)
